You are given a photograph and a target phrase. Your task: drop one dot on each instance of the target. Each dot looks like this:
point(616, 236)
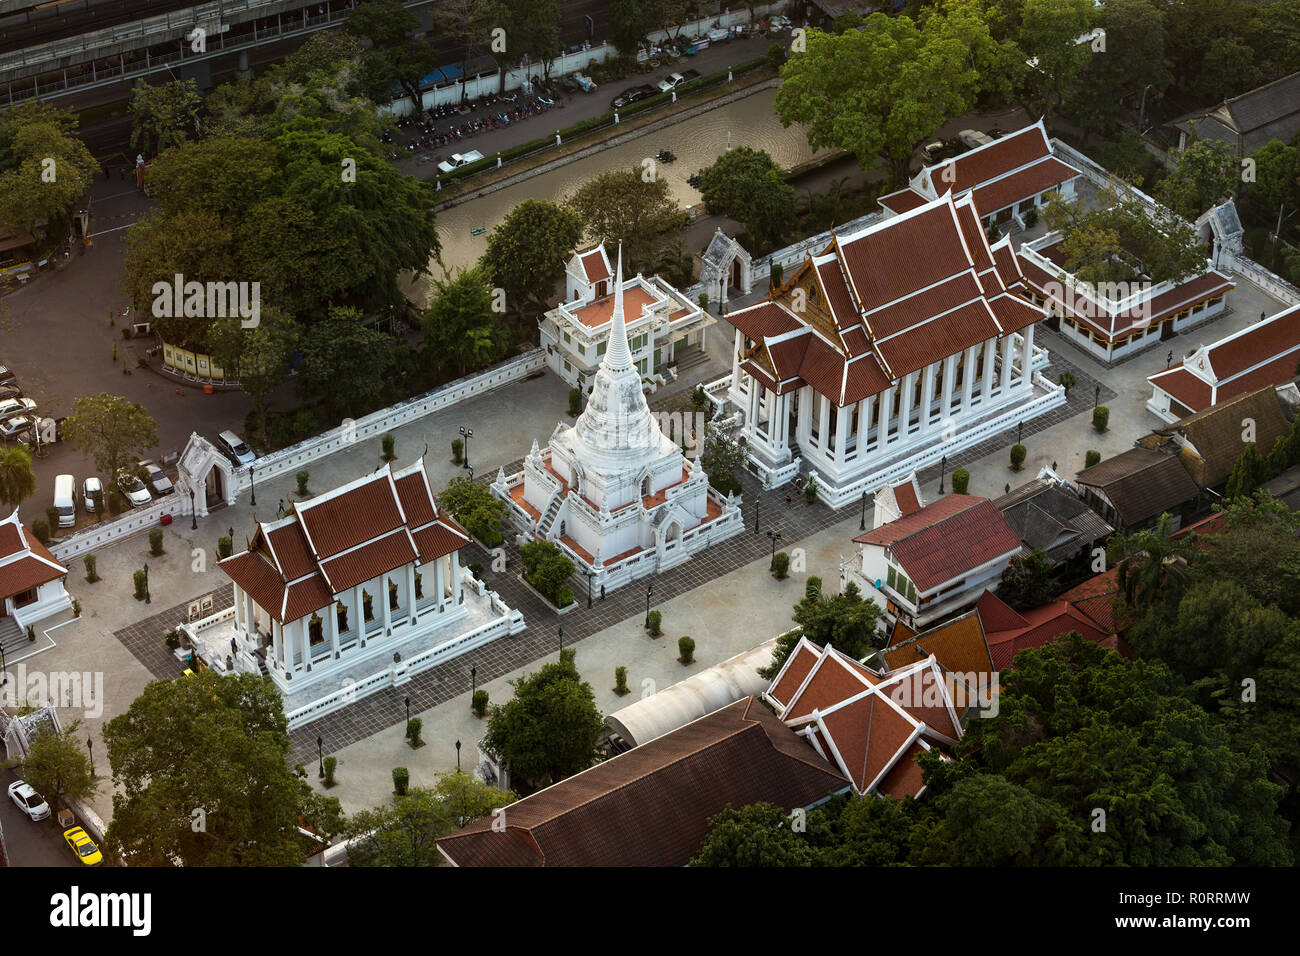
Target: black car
point(7, 377)
point(10, 391)
point(631, 95)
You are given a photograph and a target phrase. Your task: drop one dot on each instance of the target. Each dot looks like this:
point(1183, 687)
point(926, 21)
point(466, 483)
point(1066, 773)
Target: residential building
point(1113, 321)
point(1008, 632)
point(1266, 353)
point(896, 345)
point(1248, 121)
point(896, 501)
point(663, 326)
point(936, 560)
point(872, 727)
point(354, 590)
point(31, 579)
point(1006, 177)
point(1134, 488)
point(615, 493)
point(651, 805)
point(1049, 516)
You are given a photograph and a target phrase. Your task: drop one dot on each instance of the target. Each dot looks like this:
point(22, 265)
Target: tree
point(533, 29)
point(724, 452)
point(459, 327)
point(746, 185)
point(58, 768)
point(1133, 63)
point(469, 24)
point(621, 206)
point(630, 23)
point(760, 834)
point(1151, 563)
point(405, 833)
point(50, 171)
point(545, 567)
point(548, 730)
point(17, 480)
point(1027, 581)
point(845, 620)
point(111, 429)
point(164, 116)
point(394, 57)
point(526, 253)
point(476, 508)
point(201, 777)
point(1049, 33)
point(258, 358)
point(881, 91)
point(344, 363)
point(1277, 179)
point(1206, 173)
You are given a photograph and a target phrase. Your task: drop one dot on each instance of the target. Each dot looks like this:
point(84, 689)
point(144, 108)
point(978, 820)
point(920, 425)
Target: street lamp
point(467, 434)
point(561, 629)
point(458, 756)
point(943, 467)
point(589, 575)
point(775, 536)
point(320, 753)
point(1096, 397)
point(862, 525)
point(4, 674)
point(755, 514)
point(473, 683)
point(408, 709)
point(1020, 431)
point(194, 515)
point(252, 487)
point(146, 583)
point(649, 590)
point(90, 748)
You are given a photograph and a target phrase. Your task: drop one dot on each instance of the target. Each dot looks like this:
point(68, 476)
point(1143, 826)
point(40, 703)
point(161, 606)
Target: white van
point(236, 448)
point(974, 138)
point(64, 489)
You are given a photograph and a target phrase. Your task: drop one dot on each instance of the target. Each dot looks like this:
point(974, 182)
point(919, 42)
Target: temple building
point(663, 326)
point(616, 494)
point(355, 590)
point(894, 346)
point(31, 578)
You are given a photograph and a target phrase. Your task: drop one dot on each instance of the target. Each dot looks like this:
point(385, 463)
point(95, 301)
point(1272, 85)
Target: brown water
point(697, 142)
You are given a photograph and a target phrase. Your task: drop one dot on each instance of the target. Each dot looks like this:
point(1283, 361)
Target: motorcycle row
point(490, 112)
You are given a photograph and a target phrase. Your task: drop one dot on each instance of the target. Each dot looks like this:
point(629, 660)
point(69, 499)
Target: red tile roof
point(368, 561)
point(1041, 625)
point(27, 562)
point(904, 200)
point(1010, 190)
point(334, 524)
point(905, 498)
point(932, 513)
point(954, 545)
point(594, 265)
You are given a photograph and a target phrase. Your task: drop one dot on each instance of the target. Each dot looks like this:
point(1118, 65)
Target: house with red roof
point(663, 326)
point(354, 590)
point(1007, 177)
point(937, 560)
point(31, 578)
point(895, 345)
point(1008, 632)
point(1266, 353)
point(872, 727)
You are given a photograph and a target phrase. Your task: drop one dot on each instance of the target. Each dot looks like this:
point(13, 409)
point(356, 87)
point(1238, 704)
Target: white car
point(459, 159)
point(129, 483)
point(13, 407)
point(14, 428)
point(92, 489)
point(670, 84)
point(29, 801)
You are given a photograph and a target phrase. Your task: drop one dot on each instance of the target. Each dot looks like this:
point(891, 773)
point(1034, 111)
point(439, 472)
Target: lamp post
point(943, 468)
point(4, 674)
point(755, 514)
point(649, 590)
point(1020, 431)
point(862, 524)
point(473, 684)
point(90, 748)
point(467, 434)
point(252, 487)
point(774, 536)
point(408, 710)
point(561, 631)
point(1096, 397)
point(458, 756)
point(194, 515)
point(320, 754)
point(146, 583)
point(589, 575)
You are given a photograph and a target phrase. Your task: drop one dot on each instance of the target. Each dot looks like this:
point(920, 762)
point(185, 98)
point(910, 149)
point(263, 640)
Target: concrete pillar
point(1029, 356)
point(278, 647)
point(334, 630)
point(410, 590)
point(986, 383)
point(927, 394)
point(905, 413)
point(823, 413)
point(949, 376)
point(359, 616)
point(841, 432)
point(968, 378)
point(383, 596)
point(886, 410)
point(455, 571)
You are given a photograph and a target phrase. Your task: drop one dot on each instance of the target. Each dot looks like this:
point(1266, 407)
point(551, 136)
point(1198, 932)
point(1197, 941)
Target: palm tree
point(17, 480)
point(1152, 564)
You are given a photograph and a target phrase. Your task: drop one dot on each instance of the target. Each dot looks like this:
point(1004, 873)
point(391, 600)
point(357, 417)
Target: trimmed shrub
point(389, 443)
point(41, 528)
point(685, 650)
point(401, 780)
point(1067, 382)
point(699, 402)
point(564, 598)
point(1031, 217)
point(1017, 457)
point(780, 565)
point(156, 542)
point(457, 451)
point(172, 639)
point(1092, 457)
point(302, 478)
point(656, 622)
point(224, 547)
point(76, 607)
point(480, 703)
point(141, 580)
point(575, 402)
point(620, 681)
point(331, 764)
point(476, 569)
point(91, 574)
point(960, 481)
point(413, 728)
point(1100, 418)
point(810, 491)
point(704, 301)
point(776, 275)
point(31, 633)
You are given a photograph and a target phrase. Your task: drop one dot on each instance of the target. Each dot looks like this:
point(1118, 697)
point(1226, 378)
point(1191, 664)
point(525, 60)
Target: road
point(30, 844)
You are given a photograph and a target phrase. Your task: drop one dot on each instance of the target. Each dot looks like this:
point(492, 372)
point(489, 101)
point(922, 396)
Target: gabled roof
point(863, 722)
point(1141, 483)
point(1248, 121)
point(1214, 436)
point(1031, 628)
point(25, 563)
point(1095, 599)
point(958, 646)
point(592, 266)
point(651, 805)
point(344, 537)
point(1048, 518)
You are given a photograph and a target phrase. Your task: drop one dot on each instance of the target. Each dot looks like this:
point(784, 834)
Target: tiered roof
point(367, 527)
point(25, 563)
point(887, 300)
point(872, 727)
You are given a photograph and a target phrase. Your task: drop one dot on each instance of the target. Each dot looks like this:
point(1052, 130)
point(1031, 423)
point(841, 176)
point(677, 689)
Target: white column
point(1008, 354)
point(437, 582)
point(277, 643)
point(1029, 355)
point(949, 376)
point(886, 409)
point(864, 422)
point(332, 615)
point(841, 432)
point(823, 413)
point(905, 414)
point(968, 378)
point(359, 616)
point(410, 589)
point(927, 395)
point(383, 596)
point(455, 571)
point(986, 386)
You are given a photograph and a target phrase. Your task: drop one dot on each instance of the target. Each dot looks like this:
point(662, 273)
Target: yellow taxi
point(80, 843)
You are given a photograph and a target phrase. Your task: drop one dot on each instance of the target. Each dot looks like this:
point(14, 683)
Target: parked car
point(585, 83)
point(12, 429)
point(631, 95)
point(458, 160)
point(80, 843)
point(718, 35)
point(92, 494)
point(973, 138)
point(7, 375)
point(29, 801)
point(236, 448)
point(779, 23)
point(11, 407)
point(132, 488)
point(10, 391)
point(157, 479)
point(671, 83)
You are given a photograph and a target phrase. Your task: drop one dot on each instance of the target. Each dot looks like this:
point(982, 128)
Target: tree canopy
point(528, 250)
point(631, 208)
point(747, 185)
point(115, 431)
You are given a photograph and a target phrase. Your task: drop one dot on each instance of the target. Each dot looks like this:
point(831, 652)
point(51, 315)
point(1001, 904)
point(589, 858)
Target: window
point(600, 349)
point(315, 630)
point(567, 366)
point(341, 612)
point(567, 337)
point(367, 607)
point(392, 595)
point(419, 586)
point(911, 592)
point(892, 579)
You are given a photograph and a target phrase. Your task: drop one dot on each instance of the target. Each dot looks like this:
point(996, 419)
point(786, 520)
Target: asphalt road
point(30, 844)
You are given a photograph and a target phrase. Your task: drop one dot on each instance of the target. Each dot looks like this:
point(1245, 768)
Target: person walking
point(788, 498)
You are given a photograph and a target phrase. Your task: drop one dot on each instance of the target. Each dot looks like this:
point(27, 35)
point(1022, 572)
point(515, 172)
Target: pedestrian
point(602, 592)
point(280, 513)
point(788, 499)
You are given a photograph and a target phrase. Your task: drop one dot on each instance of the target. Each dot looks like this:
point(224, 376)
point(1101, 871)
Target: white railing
point(1270, 282)
point(107, 532)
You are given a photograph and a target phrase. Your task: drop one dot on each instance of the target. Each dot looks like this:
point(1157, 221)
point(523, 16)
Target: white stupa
point(616, 493)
